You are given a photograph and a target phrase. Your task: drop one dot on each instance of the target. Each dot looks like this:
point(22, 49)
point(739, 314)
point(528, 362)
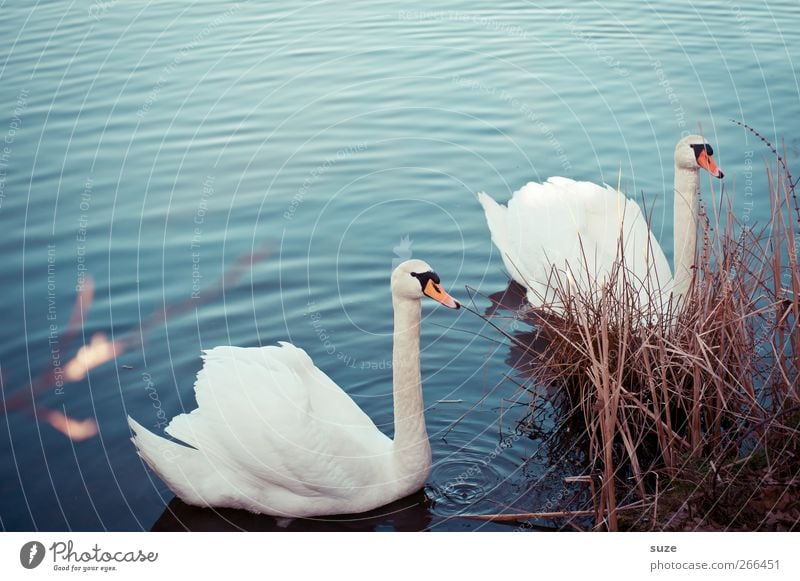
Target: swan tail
point(497, 219)
point(265, 377)
point(281, 357)
point(495, 215)
point(178, 466)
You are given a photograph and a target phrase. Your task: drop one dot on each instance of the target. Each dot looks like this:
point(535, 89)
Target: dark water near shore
point(156, 147)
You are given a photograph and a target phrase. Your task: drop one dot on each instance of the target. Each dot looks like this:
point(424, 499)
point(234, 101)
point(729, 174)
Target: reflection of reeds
point(691, 405)
point(100, 350)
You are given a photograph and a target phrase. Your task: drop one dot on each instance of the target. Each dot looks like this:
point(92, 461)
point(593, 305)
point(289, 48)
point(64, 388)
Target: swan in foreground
point(273, 434)
point(563, 221)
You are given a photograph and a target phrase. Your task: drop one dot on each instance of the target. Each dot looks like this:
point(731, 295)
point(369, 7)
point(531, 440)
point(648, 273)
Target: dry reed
point(690, 407)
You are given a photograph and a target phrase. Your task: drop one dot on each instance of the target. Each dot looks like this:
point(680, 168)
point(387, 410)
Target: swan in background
point(563, 221)
point(273, 434)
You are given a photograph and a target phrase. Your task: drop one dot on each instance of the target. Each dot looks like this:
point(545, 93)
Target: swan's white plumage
point(273, 434)
point(574, 226)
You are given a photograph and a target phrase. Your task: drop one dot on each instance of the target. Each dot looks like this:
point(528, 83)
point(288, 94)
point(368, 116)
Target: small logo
point(402, 251)
point(31, 554)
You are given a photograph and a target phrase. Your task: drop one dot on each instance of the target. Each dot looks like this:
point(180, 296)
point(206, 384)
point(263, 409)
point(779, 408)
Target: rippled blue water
point(153, 146)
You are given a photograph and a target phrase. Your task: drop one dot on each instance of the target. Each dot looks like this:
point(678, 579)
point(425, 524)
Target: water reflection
point(413, 513)
point(99, 350)
point(407, 514)
point(461, 482)
point(338, 171)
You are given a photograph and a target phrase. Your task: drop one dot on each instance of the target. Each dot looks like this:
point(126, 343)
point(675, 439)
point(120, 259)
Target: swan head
point(414, 279)
point(693, 152)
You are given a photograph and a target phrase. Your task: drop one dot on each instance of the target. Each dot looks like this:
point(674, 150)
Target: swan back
point(272, 434)
point(575, 227)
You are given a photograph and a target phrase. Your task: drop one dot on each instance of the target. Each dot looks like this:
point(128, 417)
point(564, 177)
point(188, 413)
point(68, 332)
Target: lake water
point(153, 146)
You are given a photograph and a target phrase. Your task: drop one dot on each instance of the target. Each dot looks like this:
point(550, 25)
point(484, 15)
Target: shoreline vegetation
point(689, 415)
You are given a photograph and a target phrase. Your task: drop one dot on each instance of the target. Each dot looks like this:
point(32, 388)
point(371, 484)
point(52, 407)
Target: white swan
point(274, 435)
point(562, 221)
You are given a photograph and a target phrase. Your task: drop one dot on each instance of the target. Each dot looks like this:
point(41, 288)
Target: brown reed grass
point(688, 406)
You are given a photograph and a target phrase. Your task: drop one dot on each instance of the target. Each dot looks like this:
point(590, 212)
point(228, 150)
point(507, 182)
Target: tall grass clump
point(689, 407)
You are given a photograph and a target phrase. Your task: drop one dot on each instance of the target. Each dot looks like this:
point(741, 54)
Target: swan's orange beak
point(707, 162)
point(437, 293)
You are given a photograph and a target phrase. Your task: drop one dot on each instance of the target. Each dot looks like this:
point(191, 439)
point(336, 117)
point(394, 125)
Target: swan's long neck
point(411, 445)
point(685, 227)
